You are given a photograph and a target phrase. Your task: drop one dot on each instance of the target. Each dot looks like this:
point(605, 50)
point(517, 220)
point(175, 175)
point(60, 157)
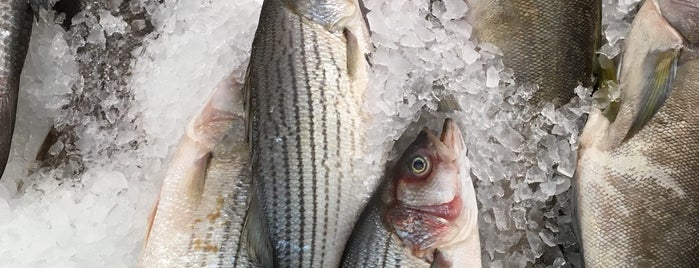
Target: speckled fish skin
point(638, 196)
point(15, 31)
point(306, 84)
point(548, 43)
point(421, 217)
point(199, 217)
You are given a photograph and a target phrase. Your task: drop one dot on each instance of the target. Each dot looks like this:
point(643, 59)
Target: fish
point(550, 44)
point(425, 213)
point(305, 89)
point(199, 217)
point(16, 28)
point(636, 185)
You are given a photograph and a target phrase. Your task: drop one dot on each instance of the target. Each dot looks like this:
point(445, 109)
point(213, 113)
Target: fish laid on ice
point(548, 43)
point(425, 213)
point(305, 86)
point(199, 217)
point(636, 183)
point(15, 28)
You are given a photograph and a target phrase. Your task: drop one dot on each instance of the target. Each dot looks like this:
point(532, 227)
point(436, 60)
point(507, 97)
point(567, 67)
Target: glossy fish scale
point(15, 30)
point(638, 194)
point(548, 43)
point(217, 236)
point(375, 246)
point(306, 130)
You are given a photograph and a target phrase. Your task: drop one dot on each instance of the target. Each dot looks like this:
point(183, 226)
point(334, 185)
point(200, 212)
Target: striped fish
point(425, 213)
point(636, 181)
point(199, 217)
point(305, 84)
point(15, 31)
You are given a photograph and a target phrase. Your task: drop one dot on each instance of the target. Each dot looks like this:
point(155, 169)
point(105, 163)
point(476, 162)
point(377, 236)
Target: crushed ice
point(424, 60)
point(86, 205)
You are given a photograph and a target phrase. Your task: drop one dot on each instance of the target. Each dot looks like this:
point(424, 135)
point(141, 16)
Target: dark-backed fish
point(548, 43)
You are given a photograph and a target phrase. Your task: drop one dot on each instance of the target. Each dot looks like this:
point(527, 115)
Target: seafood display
point(304, 133)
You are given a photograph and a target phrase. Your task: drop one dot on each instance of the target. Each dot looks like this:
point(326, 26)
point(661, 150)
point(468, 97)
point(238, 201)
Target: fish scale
point(548, 43)
point(306, 130)
point(636, 183)
point(15, 31)
point(199, 217)
point(379, 246)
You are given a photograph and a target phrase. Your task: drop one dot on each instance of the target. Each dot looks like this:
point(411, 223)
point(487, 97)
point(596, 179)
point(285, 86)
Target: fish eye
point(419, 165)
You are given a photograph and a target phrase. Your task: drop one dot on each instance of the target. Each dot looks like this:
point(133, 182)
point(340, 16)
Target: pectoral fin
point(247, 99)
point(660, 68)
point(255, 234)
point(354, 53)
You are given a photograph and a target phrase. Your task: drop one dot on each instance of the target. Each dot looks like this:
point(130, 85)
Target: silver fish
point(636, 181)
point(16, 26)
point(199, 216)
point(548, 43)
point(306, 83)
point(425, 213)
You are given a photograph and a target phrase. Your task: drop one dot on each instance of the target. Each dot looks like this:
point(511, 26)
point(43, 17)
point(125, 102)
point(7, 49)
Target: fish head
point(424, 202)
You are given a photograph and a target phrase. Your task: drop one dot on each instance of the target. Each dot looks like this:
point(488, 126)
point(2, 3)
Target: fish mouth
point(450, 143)
point(425, 228)
point(448, 211)
point(451, 136)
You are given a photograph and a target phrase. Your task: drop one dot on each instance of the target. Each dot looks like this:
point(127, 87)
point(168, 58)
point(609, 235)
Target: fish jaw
point(436, 210)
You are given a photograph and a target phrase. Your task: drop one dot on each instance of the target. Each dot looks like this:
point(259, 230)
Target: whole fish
point(636, 183)
point(548, 43)
point(15, 31)
point(305, 85)
point(199, 216)
point(425, 213)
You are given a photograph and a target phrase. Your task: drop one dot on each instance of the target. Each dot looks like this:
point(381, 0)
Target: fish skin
point(421, 220)
point(638, 197)
point(548, 43)
point(16, 25)
point(305, 91)
point(199, 216)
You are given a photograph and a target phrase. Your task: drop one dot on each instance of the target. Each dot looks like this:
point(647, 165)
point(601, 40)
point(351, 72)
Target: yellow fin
point(660, 68)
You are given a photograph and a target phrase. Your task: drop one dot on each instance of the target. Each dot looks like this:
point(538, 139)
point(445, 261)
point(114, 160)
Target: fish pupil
point(419, 165)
